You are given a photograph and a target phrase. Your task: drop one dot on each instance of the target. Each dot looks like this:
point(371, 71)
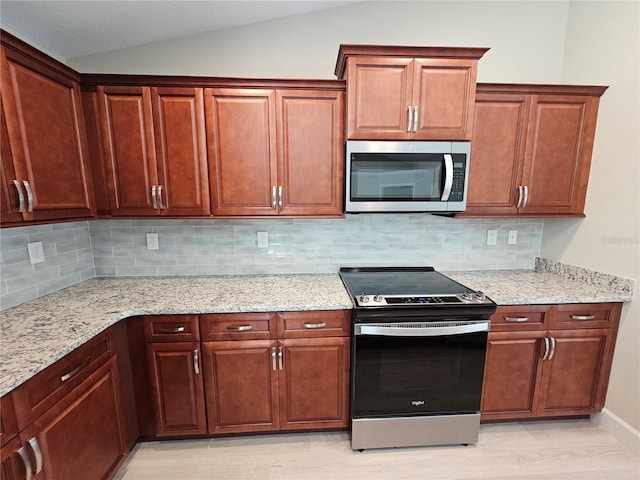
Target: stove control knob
point(377, 298)
point(364, 298)
point(480, 295)
point(467, 296)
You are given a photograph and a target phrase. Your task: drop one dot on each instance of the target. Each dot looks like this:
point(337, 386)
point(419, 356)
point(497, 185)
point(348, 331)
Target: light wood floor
point(548, 450)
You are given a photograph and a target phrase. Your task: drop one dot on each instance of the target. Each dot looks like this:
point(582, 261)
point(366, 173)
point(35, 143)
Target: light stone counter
point(37, 333)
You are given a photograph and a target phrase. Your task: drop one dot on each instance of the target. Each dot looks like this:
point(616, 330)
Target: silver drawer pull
point(240, 328)
point(20, 196)
point(27, 188)
point(196, 362)
point(314, 325)
point(75, 371)
point(35, 448)
point(179, 329)
point(516, 319)
point(24, 456)
point(583, 317)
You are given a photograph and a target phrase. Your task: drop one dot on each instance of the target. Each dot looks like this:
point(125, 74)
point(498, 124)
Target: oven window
point(396, 177)
point(417, 375)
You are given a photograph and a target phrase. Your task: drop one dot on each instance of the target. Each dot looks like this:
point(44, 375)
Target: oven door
point(418, 368)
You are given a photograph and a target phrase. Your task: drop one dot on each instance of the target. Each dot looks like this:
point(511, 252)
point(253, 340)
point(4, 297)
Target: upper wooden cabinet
point(409, 93)
point(531, 150)
point(154, 150)
point(275, 151)
point(46, 172)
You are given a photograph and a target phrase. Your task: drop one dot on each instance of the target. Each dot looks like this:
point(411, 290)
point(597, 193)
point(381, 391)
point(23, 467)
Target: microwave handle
point(448, 178)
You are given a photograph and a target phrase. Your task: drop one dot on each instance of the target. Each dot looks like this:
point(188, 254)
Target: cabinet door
point(380, 93)
point(443, 92)
point(511, 375)
point(81, 436)
point(241, 385)
point(127, 131)
point(310, 139)
point(558, 153)
point(241, 139)
point(314, 383)
point(183, 182)
point(9, 195)
point(176, 388)
point(575, 377)
point(14, 461)
point(45, 129)
point(497, 153)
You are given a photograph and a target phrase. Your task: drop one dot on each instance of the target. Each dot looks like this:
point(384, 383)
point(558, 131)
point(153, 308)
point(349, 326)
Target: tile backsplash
point(81, 250)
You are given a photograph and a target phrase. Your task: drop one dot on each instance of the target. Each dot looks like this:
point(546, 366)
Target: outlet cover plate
point(36, 252)
point(152, 241)
point(492, 237)
point(512, 239)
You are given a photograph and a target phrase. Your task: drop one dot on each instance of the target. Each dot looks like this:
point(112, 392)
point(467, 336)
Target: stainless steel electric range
point(418, 350)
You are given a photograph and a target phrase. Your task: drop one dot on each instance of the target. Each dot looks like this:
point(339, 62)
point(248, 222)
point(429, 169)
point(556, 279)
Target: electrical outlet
point(512, 239)
point(492, 237)
point(152, 241)
point(263, 239)
point(36, 253)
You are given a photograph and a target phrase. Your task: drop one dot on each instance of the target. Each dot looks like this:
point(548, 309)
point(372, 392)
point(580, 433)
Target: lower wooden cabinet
point(81, 436)
point(175, 375)
point(298, 379)
point(548, 361)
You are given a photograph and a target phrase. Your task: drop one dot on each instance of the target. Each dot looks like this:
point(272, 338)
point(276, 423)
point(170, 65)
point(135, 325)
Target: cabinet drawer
point(38, 394)
point(238, 326)
point(520, 317)
point(334, 323)
point(8, 423)
point(171, 328)
point(585, 315)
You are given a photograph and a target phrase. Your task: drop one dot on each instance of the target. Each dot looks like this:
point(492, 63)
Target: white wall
point(603, 48)
point(525, 40)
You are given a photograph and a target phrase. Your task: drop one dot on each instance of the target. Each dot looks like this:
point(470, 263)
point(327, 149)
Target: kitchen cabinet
point(275, 151)
point(70, 416)
point(268, 371)
point(548, 360)
point(531, 150)
point(46, 173)
point(409, 93)
point(154, 150)
point(15, 463)
point(173, 359)
point(10, 209)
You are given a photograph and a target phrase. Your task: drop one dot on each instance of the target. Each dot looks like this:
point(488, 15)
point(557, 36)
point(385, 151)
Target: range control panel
point(470, 298)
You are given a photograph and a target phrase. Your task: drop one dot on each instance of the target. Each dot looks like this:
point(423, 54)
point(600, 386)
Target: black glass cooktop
point(405, 281)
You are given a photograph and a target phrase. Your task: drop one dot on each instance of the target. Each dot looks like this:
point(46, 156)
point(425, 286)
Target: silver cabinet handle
point(314, 325)
point(240, 328)
point(160, 197)
point(273, 197)
point(27, 188)
point(280, 358)
point(410, 120)
point(526, 196)
point(179, 329)
point(516, 319)
point(582, 317)
point(273, 358)
point(553, 348)
point(154, 199)
point(415, 119)
point(20, 196)
point(196, 365)
point(546, 348)
point(35, 448)
point(75, 371)
point(28, 468)
point(280, 196)
point(448, 177)
point(519, 196)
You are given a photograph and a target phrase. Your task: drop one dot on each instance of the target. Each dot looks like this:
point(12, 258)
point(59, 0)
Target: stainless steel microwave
point(406, 176)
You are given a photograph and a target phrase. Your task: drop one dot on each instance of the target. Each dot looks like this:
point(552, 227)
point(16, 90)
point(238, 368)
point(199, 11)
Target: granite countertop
point(36, 334)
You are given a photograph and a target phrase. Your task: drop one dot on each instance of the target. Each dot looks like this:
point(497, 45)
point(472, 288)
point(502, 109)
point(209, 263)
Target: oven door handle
point(436, 329)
